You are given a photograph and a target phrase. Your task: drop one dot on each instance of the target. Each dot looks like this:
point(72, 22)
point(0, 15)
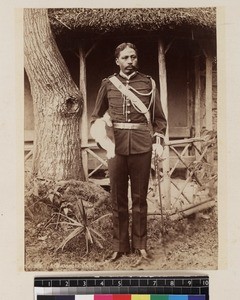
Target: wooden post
point(163, 94)
point(209, 100)
point(209, 114)
point(207, 48)
point(190, 104)
point(197, 107)
point(197, 98)
point(84, 119)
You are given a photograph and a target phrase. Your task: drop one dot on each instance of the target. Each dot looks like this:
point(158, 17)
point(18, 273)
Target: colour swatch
point(121, 297)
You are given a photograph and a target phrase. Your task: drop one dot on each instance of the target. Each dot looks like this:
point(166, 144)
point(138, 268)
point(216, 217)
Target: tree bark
point(57, 102)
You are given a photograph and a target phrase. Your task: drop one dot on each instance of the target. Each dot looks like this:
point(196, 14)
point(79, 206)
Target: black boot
point(115, 256)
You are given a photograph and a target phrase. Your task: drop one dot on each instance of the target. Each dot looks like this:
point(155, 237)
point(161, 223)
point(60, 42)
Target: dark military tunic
point(133, 155)
point(121, 110)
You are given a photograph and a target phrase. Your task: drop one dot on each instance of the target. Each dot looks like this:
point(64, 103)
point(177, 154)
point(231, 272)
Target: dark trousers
point(135, 167)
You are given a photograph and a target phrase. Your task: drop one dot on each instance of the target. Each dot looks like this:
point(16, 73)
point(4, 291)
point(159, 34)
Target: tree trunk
point(57, 102)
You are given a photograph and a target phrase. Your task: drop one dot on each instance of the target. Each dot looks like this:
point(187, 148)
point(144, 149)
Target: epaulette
point(144, 75)
point(106, 78)
point(115, 74)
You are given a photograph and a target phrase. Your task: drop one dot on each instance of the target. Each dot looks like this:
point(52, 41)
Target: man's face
point(127, 60)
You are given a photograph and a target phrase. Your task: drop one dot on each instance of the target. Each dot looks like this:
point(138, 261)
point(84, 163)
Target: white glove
point(157, 149)
point(106, 117)
point(109, 146)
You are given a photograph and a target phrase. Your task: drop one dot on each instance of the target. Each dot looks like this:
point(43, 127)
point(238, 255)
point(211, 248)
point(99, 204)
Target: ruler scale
point(122, 288)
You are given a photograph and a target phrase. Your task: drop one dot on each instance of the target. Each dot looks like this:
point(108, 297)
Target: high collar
point(127, 76)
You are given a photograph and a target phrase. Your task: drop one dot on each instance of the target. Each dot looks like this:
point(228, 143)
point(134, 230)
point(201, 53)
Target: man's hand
point(157, 149)
point(157, 146)
point(107, 119)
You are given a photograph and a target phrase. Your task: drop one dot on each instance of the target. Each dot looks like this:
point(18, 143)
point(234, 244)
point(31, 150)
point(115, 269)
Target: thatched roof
point(99, 21)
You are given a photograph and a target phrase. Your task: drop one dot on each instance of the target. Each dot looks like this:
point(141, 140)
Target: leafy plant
point(72, 204)
point(79, 226)
point(206, 169)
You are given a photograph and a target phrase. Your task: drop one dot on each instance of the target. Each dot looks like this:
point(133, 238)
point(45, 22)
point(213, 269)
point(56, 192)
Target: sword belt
point(139, 126)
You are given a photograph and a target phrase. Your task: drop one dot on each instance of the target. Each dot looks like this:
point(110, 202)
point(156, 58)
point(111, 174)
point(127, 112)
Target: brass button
point(128, 111)
point(129, 120)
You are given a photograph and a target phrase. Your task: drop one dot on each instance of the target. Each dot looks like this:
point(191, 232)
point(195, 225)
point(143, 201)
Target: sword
point(158, 179)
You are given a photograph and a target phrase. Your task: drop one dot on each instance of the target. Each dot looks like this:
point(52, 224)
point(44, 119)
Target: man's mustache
point(131, 67)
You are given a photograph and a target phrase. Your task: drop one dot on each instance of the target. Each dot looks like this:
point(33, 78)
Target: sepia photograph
point(120, 139)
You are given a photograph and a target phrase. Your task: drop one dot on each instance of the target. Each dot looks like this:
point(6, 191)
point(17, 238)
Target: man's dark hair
point(122, 46)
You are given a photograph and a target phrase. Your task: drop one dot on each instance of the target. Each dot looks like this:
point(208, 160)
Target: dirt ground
point(188, 244)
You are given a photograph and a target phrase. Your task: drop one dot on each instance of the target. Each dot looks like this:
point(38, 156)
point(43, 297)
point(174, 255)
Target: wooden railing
point(189, 154)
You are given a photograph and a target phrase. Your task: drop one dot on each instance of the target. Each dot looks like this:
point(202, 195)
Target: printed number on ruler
point(205, 282)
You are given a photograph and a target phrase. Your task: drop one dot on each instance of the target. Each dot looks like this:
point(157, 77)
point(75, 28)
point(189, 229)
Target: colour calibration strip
point(123, 297)
point(122, 288)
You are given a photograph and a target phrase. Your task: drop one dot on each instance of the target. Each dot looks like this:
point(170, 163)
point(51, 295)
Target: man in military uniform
point(139, 125)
